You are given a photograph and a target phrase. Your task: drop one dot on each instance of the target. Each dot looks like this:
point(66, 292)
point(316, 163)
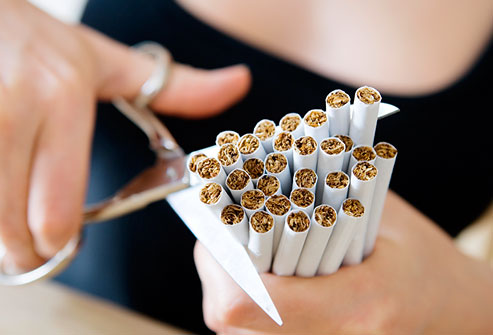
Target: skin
point(415, 282)
point(51, 76)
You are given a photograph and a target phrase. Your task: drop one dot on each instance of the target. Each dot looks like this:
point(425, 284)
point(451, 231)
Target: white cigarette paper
point(322, 223)
point(365, 115)
point(292, 240)
point(362, 153)
point(229, 157)
point(209, 170)
point(276, 164)
point(193, 160)
point(305, 153)
point(305, 178)
point(283, 143)
point(386, 156)
point(363, 181)
point(348, 217)
point(227, 137)
point(252, 201)
point(348, 142)
point(214, 197)
point(292, 123)
point(260, 242)
point(330, 158)
point(250, 146)
point(278, 206)
point(270, 185)
point(265, 130)
point(337, 106)
point(255, 168)
point(238, 182)
point(235, 220)
point(316, 124)
point(336, 188)
point(303, 199)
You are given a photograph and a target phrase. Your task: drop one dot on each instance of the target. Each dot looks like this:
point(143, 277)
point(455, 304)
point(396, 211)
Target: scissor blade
point(384, 110)
point(230, 254)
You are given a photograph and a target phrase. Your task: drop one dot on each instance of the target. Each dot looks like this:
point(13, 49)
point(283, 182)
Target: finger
point(190, 92)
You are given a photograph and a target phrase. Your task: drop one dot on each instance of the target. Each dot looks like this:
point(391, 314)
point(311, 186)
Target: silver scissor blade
point(230, 254)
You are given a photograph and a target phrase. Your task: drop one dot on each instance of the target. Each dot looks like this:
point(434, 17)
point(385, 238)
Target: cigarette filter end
point(265, 129)
point(337, 99)
point(305, 178)
point(368, 95)
point(275, 163)
point(284, 141)
point(237, 180)
point(332, 146)
point(353, 207)
point(228, 154)
point(385, 150)
point(278, 204)
point(305, 145)
point(227, 137)
point(208, 168)
point(232, 214)
point(210, 193)
point(325, 215)
point(268, 184)
point(262, 222)
point(364, 153)
point(254, 167)
point(248, 144)
point(315, 118)
point(290, 122)
point(302, 197)
point(253, 199)
point(365, 171)
point(337, 179)
point(298, 221)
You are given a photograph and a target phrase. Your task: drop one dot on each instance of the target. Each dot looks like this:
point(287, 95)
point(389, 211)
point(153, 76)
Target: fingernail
point(9, 267)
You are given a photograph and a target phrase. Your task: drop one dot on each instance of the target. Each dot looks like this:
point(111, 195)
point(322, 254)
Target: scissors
point(167, 178)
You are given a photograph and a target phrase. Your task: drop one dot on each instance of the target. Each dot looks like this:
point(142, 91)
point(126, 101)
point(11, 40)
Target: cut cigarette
point(348, 218)
point(305, 178)
point(265, 130)
point(250, 147)
point(303, 199)
point(316, 124)
point(277, 164)
point(269, 184)
point(292, 123)
point(348, 142)
point(193, 160)
point(278, 206)
point(238, 182)
point(292, 240)
point(227, 137)
point(365, 115)
point(337, 106)
point(229, 157)
point(362, 153)
point(335, 189)
point(210, 170)
point(235, 220)
point(255, 168)
point(386, 156)
point(213, 196)
point(323, 221)
point(283, 143)
point(363, 181)
point(305, 153)
point(330, 158)
point(252, 201)
point(261, 239)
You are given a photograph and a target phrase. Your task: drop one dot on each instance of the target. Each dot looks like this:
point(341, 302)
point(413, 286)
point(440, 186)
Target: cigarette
point(348, 142)
point(227, 137)
point(255, 168)
point(265, 130)
point(292, 240)
point(210, 170)
point(365, 115)
point(330, 158)
point(362, 153)
point(269, 184)
point(335, 189)
point(234, 219)
point(252, 201)
point(276, 164)
point(229, 157)
point(305, 178)
point(193, 160)
point(316, 124)
point(323, 221)
point(303, 199)
point(278, 206)
point(348, 218)
point(238, 182)
point(305, 153)
point(213, 196)
point(337, 106)
point(250, 147)
point(283, 143)
point(261, 239)
point(292, 123)
point(386, 156)
point(363, 181)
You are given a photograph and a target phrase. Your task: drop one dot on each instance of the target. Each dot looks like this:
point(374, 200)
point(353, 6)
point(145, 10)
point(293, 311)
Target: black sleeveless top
point(144, 261)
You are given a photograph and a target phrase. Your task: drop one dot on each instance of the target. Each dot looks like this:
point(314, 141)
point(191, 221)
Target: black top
point(145, 261)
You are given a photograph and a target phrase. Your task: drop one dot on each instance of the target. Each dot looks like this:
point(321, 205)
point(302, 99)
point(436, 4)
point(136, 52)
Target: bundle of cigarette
point(305, 196)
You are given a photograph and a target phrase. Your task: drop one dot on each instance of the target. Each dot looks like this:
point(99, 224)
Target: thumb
point(189, 92)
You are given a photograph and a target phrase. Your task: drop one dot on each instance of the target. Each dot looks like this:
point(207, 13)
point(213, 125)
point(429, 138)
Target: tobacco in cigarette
point(265, 130)
point(227, 137)
point(353, 207)
point(364, 153)
point(305, 178)
point(368, 95)
point(268, 184)
point(290, 122)
point(262, 222)
point(284, 141)
point(305, 145)
point(253, 199)
point(278, 204)
point(276, 163)
point(348, 142)
point(237, 180)
point(208, 168)
point(337, 179)
point(210, 193)
point(325, 215)
point(228, 154)
point(194, 160)
point(365, 171)
point(331, 146)
point(385, 150)
point(298, 221)
point(232, 214)
point(248, 144)
point(254, 167)
point(302, 197)
point(315, 118)
point(337, 99)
